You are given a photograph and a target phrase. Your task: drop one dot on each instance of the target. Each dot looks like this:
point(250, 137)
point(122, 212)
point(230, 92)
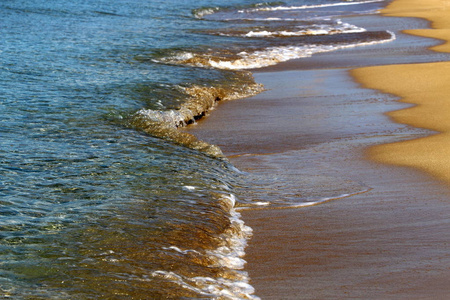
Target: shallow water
point(102, 197)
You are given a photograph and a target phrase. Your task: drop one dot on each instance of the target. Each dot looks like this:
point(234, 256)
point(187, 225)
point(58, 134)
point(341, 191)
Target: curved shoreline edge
point(425, 85)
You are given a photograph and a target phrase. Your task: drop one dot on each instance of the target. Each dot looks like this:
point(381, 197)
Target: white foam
point(172, 118)
point(274, 55)
point(278, 8)
point(326, 199)
point(251, 60)
point(231, 199)
point(228, 255)
point(200, 13)
point(322, 30)
point(189, 188)
point(210, 287)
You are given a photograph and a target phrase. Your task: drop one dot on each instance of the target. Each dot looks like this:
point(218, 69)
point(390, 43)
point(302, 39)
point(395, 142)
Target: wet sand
point(391, 242)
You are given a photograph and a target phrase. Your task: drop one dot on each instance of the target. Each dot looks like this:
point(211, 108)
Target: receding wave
point(253, 59)
point(294, 190)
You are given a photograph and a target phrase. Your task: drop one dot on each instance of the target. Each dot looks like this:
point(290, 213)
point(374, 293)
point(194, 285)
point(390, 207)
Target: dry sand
point(426, 86)
point(435, 11)
point(391, 242)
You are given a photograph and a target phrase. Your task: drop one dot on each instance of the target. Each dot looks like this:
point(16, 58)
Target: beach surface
point(391, 240)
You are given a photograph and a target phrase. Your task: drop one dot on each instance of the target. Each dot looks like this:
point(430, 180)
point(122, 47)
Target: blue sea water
point(101, 196)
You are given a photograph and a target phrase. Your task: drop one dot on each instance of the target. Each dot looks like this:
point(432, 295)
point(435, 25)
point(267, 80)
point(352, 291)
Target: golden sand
point(426, 86)
point(436, 11)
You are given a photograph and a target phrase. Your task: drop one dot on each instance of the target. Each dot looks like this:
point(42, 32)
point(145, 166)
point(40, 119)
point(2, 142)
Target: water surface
point(102, 197)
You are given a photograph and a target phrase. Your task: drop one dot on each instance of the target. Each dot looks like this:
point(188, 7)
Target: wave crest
point(283, 8)
point(199, 101)
point(272, 55)
point(201, 12)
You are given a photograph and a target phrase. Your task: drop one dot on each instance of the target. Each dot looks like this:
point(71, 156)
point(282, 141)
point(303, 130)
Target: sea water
point(101, 195)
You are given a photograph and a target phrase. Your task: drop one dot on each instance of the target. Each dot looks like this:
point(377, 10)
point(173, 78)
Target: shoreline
point(387, 243)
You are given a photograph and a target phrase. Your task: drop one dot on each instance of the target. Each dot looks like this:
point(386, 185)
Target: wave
point(251, 12)
point(198, 102)
point(329, 28)
point(200, 13)
point(301, 188)
point(227, 256)
point(268, 56)
point(307, 6)
point(204, 11)
point(312, 31)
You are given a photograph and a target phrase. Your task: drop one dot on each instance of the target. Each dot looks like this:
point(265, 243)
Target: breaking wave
point(253, 59)
point(284, 8)
point(199, 100)
point(289, 30)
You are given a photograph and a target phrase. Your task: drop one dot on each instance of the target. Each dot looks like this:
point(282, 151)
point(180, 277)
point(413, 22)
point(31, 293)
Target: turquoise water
point(101, 196)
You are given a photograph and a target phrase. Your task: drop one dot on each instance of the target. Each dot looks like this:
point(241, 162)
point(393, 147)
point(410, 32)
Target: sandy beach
point(326, 115)
point(423, 85)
